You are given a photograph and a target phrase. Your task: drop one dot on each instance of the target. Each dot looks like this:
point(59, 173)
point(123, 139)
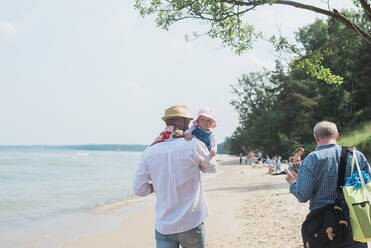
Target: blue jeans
point(194, 238)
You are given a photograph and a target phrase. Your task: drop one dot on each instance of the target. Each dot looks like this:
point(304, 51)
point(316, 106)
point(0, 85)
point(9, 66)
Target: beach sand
point(248, 208)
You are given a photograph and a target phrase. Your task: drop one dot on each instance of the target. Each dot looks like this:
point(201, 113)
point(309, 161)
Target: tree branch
point(290, 3)
point(335, 14)
point(254, 3)
point(366, 36)
point(326, 46)
point(305, 6)
point(199, 16)
point(366, 7)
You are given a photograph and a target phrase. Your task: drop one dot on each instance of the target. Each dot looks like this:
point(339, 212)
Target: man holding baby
point(170, 168)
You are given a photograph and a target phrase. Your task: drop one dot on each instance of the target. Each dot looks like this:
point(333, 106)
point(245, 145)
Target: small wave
point(113, 206)
point(82, 154)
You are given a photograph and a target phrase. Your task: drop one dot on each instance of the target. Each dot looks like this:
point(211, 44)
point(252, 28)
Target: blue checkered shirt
point(318, 175)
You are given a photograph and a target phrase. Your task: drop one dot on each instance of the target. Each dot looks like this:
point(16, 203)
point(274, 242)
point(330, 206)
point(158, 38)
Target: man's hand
point(188, 136)
point(178, 133)
point(289, 177)
point(212, 152)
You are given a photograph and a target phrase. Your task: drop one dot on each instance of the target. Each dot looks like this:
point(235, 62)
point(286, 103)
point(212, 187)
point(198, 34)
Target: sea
point(52, 196)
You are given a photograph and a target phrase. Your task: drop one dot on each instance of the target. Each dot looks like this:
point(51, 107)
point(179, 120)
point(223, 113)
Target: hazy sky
point(89, 71)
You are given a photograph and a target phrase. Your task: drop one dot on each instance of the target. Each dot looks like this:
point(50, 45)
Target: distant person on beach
point(171, 169)
point(201, 129)
point(318, 174)
point(267, 160)
point(278, 163)
point(294, 166)
point(270, 164)
point(260, 159)
point(241, 158)
point(250, 158)
point(299, 152)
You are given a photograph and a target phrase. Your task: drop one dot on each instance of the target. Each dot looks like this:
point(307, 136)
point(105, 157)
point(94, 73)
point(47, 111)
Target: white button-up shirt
point(174, 169)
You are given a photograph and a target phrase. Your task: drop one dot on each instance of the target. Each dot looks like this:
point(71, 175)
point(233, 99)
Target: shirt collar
point(325, 146)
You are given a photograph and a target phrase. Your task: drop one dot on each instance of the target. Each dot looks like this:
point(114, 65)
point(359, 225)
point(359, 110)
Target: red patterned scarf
point(165, 135)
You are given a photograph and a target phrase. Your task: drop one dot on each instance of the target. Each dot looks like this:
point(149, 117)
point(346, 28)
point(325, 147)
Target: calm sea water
point(42, 188)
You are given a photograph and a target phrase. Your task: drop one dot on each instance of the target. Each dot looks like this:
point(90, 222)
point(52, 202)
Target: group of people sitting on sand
point(274, 164)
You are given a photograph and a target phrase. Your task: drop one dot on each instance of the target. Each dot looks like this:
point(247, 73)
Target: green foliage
point(278, 109)
point(362, 115)
point(360, 137)
point(310, 63)
point(224, 20)
point(313, 67)
point(357, 135)
point(348, 58)
point(281, 44)
point(223, 148)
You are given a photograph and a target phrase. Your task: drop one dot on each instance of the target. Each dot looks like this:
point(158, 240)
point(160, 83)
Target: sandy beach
point(248, 208)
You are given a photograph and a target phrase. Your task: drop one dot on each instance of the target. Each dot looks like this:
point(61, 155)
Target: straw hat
point(177, 111)
point(207, 112)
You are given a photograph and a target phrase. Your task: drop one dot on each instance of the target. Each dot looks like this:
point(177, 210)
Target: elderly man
point(318, 174)
point(171, 169)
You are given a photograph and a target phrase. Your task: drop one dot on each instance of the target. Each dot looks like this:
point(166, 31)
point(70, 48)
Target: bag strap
point(342, 166)
point(355, 161)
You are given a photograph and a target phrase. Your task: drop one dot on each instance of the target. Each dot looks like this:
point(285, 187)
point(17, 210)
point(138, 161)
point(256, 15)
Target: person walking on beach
point(318, 175)
point(171, 170)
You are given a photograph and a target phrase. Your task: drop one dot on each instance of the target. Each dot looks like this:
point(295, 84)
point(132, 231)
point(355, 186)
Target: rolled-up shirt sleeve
point(141, 185)
point(213, 144)
point(207, 163)
point(303, 188)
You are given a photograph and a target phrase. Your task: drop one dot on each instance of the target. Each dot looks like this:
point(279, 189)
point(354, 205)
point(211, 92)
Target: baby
point(201, 129)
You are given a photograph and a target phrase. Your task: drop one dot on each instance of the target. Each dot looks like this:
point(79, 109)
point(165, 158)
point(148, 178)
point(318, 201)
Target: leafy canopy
point(278, 109)
point(225, 22)
point(223, 18)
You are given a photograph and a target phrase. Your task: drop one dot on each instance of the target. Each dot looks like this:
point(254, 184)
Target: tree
point(276, 112)
point(350, 58)
point(278, 109)
point(226, 22)
point(225, 17)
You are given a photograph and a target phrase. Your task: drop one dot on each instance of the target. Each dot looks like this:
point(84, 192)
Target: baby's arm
point(213, 145)
point(188, 132)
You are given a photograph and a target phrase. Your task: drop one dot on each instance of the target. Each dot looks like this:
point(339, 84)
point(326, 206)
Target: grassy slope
point(359, 137)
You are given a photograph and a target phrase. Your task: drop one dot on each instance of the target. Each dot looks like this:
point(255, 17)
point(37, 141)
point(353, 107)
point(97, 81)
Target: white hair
point(325, 129)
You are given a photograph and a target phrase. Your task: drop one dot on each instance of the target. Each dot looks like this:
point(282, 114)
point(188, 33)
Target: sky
point(95, 72)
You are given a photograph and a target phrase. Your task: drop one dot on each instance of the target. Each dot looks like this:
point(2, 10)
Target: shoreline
point(57, 230)
point(54, 231)
point(248, 208)
point(49, 197)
